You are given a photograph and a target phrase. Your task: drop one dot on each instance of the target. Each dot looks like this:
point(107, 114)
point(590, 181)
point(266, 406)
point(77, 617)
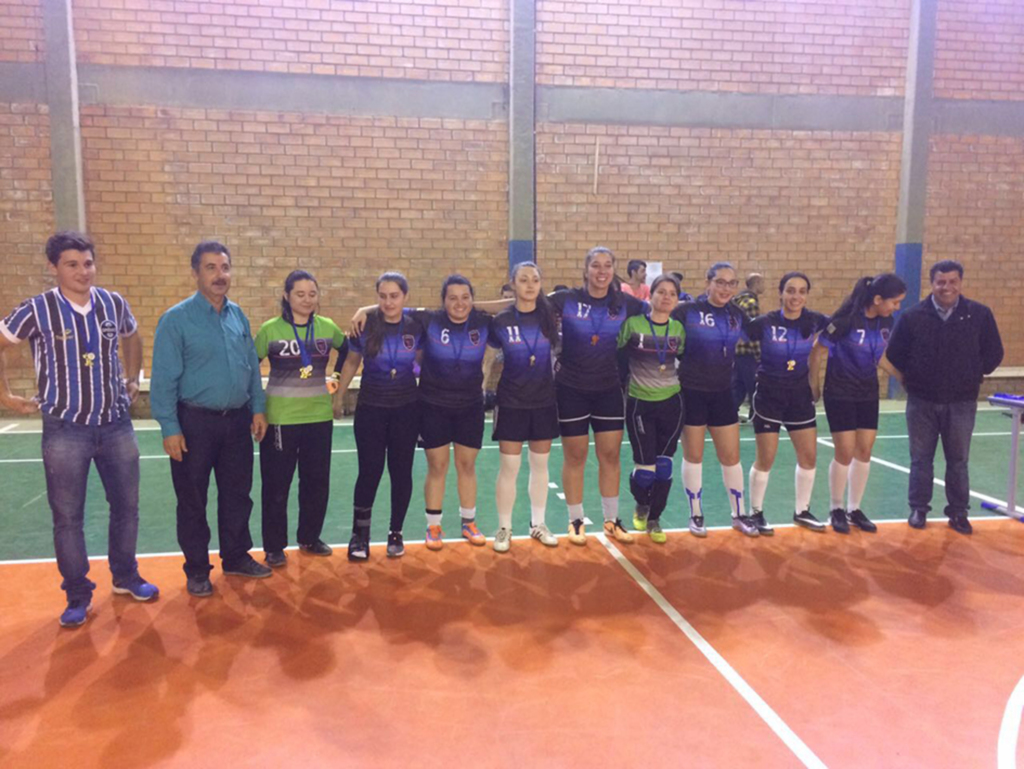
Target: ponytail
point(887, 285)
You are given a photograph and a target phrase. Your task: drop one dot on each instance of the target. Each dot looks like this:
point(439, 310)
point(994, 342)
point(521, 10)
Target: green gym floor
point(25, 528)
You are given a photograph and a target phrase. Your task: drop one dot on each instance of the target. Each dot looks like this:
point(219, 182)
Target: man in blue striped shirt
point(207, 395)
point(83, 394)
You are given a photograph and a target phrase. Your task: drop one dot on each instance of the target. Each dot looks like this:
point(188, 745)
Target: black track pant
point(385, 435)
point(283, 448)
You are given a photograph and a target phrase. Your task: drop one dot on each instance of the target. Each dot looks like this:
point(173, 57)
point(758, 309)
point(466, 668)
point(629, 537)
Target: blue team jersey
point(526, 379)
point(453, 355)
point(388, 377)
point(855, 345)
point(590, 337)
point(710, 348)
point(785, 346)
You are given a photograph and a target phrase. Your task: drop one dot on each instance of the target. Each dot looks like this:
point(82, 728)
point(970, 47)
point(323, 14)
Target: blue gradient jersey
point(785, 346)
point(388, 377)
point(526, 379)
point(855, 345)
point(453, 356)
point(590, 337)
point(710, 348)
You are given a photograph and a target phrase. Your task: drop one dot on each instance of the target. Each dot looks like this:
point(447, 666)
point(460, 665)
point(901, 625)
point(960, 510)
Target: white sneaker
point(502, 541)
point(543, 534)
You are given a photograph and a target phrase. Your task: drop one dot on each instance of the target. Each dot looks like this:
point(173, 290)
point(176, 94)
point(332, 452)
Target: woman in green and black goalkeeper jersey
point(654, 408)
point(298, 343)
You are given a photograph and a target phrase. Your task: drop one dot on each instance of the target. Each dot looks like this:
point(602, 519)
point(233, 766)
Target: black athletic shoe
point(918, 519)
point(359, 547)
point(839, 520)
point(861, 521)
point(808, 521)
point(276, 559)
point(763, 528)
point(316, 548)
point(396, 545)
point(200, 587)
point(248, 568)
point(959, 523)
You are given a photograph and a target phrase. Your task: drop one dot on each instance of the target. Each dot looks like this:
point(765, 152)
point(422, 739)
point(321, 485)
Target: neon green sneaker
point(640, 514)
point(656, 534)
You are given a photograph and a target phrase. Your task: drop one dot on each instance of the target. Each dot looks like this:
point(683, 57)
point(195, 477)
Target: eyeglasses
point(721, 283)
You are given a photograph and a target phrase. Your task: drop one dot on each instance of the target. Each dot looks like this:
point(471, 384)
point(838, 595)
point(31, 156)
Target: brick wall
point(835, 47)
point(26, 216)
point(769, 201)
point(979, 49)
point(21, 30)
point(464, 40)
point(345, 198)
point(975, 189)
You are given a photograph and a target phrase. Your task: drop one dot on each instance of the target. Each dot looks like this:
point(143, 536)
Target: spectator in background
point(747, 353)
point(942, 348)
point(636, 280)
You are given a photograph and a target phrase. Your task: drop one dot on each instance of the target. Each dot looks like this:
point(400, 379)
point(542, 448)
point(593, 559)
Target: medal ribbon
point(394, 348)
point(530, 348)
point(304, 346)
point(92, 340)
point(662, 351)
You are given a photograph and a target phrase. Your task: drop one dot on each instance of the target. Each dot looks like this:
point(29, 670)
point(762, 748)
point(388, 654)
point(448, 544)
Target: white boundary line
point(459, 541)
point(1009, 731)
point(762, 708)
point(9, 427)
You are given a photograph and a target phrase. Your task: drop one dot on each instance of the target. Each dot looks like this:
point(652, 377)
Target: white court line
point(9, 427)
point(762, 708)
point(937, 481)
point(449, 542)
point(1009, 731)
point(36, 498)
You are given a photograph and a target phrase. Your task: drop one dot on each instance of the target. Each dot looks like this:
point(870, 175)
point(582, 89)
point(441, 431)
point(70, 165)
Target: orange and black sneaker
point(435, 538)
point(472, 533)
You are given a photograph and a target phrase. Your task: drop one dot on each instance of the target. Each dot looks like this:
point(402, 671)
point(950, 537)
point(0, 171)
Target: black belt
point(211, 412)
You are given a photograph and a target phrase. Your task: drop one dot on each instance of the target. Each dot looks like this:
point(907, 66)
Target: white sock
point(575, 512)
point(758, 487)
point(804, 486)
point(732, 477)
point(433, 519)
point(538, 487)
point(859, 472)
point(610, 508)
point(505, 488)
point(837, 475)
point(693, 483)
point(468, 513)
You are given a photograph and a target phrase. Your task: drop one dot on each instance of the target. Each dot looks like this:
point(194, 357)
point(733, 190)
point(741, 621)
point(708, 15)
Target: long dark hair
point(545, 312)
point(289, 283)
point(373, 333)
point(887, 285)
point(615, 287)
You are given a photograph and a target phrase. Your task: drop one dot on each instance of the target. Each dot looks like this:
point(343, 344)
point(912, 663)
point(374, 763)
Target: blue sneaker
point(76, 612)
point(138, 589)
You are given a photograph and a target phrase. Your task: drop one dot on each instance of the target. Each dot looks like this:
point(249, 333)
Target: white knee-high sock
point(610, 508)
point(538, 487)
point(804, 486)
point(758, 487)
point(505, 488)
point(732, 477)
point(693, 483)
point(859, 472)
point(837, 475)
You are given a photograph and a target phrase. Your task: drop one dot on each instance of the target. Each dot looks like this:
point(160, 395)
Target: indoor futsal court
point(894, 649)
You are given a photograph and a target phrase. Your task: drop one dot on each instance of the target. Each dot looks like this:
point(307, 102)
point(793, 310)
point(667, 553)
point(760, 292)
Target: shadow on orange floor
point(461, 658)
point(894, 649)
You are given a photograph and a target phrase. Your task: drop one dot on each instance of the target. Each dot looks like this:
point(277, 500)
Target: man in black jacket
point(943, 347)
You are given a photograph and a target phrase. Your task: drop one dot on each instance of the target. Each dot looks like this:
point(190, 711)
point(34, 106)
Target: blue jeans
point(954, 424)
point(68, 451)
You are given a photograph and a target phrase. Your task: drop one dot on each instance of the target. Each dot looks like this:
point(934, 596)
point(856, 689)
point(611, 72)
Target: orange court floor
point(899, 649)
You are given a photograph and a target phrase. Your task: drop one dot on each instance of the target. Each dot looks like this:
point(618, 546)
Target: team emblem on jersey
point(474, 337)
point(409, 342)
point(613, 314)
point(108, 330)
point(321, 346)
point(65, 336)
point(884, 333)
point(673, 344)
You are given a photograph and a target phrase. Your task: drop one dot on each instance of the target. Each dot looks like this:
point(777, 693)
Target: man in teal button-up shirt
point(207, 395)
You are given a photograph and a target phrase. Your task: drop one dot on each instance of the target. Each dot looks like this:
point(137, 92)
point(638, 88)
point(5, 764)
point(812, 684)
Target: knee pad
point(642, 477)
point(663, 468)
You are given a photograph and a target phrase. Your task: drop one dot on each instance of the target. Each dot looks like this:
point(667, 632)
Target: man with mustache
point(207, 396)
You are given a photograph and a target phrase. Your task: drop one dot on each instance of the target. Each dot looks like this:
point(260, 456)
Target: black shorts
point(441, 425)
point(844, 416)
point(654, 427)
point(776, 406)
point(579, 410)
point(714, 409)
point(521, 425)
